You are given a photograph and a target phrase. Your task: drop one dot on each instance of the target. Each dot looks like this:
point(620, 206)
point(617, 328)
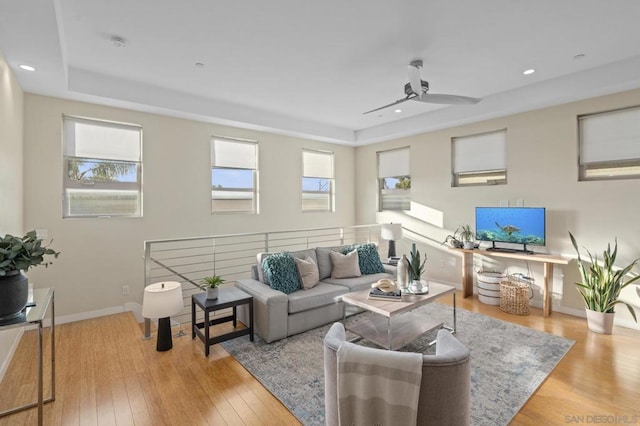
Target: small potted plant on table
point(416, 269)
point(601, 286)
point(211, 284)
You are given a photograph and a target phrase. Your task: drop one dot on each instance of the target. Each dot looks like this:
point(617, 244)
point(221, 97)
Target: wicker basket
point(514, 297)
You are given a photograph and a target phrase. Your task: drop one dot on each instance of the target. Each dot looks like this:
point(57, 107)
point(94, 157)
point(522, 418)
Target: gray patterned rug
point(508, 364)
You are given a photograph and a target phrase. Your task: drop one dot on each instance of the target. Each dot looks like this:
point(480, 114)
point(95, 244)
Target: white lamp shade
point(162, 299)
point(391, 231)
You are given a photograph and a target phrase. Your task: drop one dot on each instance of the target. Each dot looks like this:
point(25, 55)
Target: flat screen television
point(519, 225)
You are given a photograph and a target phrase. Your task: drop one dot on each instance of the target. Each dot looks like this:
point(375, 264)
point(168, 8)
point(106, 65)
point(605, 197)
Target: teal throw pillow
point(368, 258)
point(281, 272)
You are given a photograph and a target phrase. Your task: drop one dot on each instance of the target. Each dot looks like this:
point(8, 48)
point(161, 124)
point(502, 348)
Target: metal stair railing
point(231, 256)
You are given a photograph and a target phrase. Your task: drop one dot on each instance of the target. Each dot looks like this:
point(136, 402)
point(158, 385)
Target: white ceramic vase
point(600, 322)
point(212, 293)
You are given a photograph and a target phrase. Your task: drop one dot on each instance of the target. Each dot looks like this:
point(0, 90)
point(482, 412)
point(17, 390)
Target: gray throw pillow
point(308, 271)
point(344, 265)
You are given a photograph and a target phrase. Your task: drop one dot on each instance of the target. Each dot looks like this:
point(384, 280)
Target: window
point(609, 145)
point(394, 180)
point(480, 159)
point(317, 181)
point(234, 176)
point(103, 168)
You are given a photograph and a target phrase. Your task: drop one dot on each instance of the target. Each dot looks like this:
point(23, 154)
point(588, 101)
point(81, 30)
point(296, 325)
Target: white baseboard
point(136, 308)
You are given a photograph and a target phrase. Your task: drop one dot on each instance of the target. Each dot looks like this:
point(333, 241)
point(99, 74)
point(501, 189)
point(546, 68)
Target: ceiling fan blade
point(399, 101)
point(414, 77)
point(447, 99)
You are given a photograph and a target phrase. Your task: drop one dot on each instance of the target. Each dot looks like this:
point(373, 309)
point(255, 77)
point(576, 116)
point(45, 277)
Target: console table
point(546, 259)
point(34, 313)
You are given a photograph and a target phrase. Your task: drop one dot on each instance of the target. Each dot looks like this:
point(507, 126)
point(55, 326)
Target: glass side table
point(34, 313)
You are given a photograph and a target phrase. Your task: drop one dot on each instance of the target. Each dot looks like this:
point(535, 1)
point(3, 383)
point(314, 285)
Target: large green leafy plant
point(20, 254)
point(602, 283)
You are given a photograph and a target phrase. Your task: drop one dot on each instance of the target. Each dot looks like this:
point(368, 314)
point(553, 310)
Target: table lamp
point(161, 300)
point(391, 232)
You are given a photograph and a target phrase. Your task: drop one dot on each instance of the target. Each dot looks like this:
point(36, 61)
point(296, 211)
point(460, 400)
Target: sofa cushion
point(324, 261)
point(321, 295)
point(308, 272)
point(301, 254)
point(368, 258)
point(280, 270)
point(358, 283)
point(344, 265)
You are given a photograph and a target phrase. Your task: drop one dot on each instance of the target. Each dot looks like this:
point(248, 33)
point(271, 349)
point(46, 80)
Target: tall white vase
point(403, 273)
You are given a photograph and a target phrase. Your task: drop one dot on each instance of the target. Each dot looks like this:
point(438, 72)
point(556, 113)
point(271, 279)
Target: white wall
point(11, 208)
point(542, 171)
point(99, 256)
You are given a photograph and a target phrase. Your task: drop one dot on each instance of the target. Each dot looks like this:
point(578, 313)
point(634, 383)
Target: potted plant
point(601, 286)
point(17, 255)
point(467, 236)
point(416, 269)
point(211, 284)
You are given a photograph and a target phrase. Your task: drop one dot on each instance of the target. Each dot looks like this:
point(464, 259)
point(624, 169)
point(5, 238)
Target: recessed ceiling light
point(199, 64)
point(579, 56)
point(529, 71)
point(27, 67)
point(398, 110)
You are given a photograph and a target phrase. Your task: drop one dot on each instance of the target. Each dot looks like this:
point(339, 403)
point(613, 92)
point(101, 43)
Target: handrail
point(189, 259)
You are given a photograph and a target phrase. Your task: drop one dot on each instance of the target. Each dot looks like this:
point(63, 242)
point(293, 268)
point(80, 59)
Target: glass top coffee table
point(397, 323)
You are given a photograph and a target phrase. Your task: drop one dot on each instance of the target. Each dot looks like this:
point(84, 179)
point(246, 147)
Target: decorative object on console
point(416, 269)
point(467, 236)
point(211, 284)
point(161, 300)
point(391, 232)
point(455, 239)
point(601, 286)
point(17, 255)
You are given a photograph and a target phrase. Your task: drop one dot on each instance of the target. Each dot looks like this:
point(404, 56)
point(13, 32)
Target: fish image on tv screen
point(520, 225)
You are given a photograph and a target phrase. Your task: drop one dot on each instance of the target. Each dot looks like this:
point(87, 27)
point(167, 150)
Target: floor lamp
point(161, 300)
point(391, 232)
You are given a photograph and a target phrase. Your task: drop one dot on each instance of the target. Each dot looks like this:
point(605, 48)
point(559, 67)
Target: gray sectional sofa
point(278, 315)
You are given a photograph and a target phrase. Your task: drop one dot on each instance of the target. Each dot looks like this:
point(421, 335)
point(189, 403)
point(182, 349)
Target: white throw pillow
point(344, 265)
point(308, 271)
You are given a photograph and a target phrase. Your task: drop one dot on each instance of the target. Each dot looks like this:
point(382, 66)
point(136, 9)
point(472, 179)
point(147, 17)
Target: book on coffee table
point(376, 293)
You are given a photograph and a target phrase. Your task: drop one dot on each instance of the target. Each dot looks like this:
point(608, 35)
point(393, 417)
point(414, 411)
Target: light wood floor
point(107, 375)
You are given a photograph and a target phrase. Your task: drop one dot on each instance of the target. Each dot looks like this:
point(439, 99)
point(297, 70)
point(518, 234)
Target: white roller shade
point(92, 139)
point(317, 164)
point(393, 163)
point(483, 152)
point(234, 154)
point(610, 136)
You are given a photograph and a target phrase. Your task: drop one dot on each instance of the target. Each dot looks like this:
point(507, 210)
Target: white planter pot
point(600, 322)
point(468, 245)
point(212, 293)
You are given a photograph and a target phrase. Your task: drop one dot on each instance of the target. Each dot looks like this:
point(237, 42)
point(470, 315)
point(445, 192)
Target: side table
point(34, 314)
point(230, 297)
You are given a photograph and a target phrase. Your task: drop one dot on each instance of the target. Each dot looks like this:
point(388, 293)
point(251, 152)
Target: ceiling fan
point(417, 90)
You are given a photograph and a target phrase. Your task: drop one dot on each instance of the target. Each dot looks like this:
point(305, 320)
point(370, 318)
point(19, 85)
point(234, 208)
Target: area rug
point(508, 363)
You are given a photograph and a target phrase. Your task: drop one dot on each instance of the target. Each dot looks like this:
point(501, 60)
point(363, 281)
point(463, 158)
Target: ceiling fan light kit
point(417, 90)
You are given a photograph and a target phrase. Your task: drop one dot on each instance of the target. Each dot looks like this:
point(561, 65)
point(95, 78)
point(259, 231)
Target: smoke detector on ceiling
point(118, 41)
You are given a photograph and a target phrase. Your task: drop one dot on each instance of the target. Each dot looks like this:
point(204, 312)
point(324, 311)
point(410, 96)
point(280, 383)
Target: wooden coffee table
point(397, 323)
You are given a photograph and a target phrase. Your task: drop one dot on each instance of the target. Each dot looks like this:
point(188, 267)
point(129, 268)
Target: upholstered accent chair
point(444, 389)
